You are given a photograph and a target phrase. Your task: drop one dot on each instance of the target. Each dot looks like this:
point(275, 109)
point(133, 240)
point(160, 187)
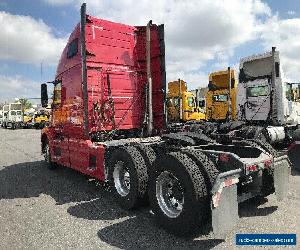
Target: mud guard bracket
point(225, 215)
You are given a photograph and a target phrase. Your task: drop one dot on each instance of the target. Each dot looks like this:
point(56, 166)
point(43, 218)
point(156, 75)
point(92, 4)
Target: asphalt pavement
point(63, 209)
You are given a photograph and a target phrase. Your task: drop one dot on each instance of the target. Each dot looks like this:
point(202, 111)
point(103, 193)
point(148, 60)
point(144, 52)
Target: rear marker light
point(251, 168)
point(268, 163)
point(224, 157)
point(291, 146)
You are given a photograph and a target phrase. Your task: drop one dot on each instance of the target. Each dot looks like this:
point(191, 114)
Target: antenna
point(41, 71)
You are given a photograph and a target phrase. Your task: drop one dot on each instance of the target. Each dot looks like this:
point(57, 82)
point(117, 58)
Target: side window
point(190, 101)
point(73, 48)
point(277, 68)
point(57, 94)
point(232, 83)
point(176, 101)
point(220, 98)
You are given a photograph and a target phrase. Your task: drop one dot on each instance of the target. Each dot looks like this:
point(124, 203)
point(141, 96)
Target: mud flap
point(225, 215)
point(294, 154)
point(281, 177)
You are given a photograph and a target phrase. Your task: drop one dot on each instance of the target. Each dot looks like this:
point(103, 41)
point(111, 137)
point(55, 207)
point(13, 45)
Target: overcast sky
point(202, 36)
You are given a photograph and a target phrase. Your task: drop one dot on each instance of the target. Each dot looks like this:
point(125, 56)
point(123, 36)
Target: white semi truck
point(266, 101)
point(5, 110)
point(268, 107)
point(14, 116)
point(1, 117)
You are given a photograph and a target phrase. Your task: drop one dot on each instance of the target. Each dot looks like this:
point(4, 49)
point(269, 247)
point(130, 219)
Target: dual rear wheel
point(174, 186)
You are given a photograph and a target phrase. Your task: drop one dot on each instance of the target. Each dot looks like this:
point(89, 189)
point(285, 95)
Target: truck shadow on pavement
point(133, 229)
point(30, 179)
point(142, 232)
point(251, 208)
point(295, 172)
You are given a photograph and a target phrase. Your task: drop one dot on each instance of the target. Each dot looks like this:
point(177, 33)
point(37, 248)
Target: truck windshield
point(220, 98)
point(257, 91)
point(16, 106)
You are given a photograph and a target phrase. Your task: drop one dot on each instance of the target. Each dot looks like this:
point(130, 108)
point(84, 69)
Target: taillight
point(224, 157)
point(291, 146)
point(251, 168)
point(267, 163)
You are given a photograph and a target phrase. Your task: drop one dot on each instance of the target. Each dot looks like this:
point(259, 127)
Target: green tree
point(26, 104)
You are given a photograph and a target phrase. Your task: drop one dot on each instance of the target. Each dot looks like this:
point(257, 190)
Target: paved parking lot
point(47, 209)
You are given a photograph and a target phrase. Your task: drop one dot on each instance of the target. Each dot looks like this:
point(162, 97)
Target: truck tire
point(47, 156)
point(265, 145)
point(178, 194)
point(128, 177)
point(206, 166)
point(296, 135)
point(42, 125)
point(148, 153)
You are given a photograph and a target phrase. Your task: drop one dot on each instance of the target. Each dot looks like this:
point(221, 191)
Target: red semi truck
point(108, 121)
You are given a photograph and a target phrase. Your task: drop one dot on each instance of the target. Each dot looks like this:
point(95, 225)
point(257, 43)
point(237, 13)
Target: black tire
point(296, 135)
point(42, 125)
point(265, 145)
point(133, 162)
point(148, 154)
point(47, 156)
point(261, 134)
point(192, 185)
point(206, 166)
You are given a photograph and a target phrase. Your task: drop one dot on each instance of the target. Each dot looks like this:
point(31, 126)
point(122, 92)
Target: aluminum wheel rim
point(121, 177)
point(171, 205)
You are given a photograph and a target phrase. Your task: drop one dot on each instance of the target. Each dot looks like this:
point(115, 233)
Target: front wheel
point(47, 156)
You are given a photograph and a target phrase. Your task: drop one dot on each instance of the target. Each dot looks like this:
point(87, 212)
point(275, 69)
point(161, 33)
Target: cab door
point(219, 106)
point(258, 95)
point(60, 143)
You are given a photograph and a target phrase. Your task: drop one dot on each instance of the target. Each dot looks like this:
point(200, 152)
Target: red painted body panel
point(119, 51)
point(115, 53)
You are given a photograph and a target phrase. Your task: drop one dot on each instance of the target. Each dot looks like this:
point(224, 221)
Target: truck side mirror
point(44, 95)
point(232, 83)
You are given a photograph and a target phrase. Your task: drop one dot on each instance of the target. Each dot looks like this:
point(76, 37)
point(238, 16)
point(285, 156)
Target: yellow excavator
point(182, 105)
point(221, 96)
